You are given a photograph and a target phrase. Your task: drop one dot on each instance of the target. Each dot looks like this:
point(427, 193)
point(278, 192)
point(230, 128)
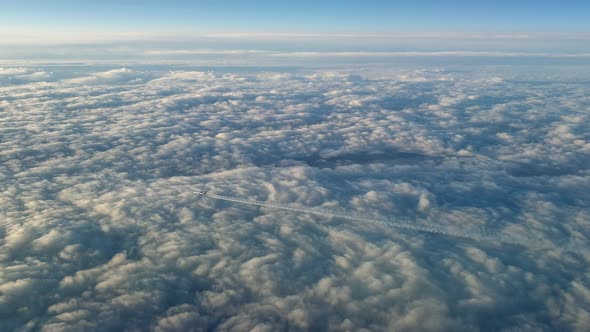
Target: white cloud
point(49, 36)
point(101, 228)
point(13, 71)
point(109, 76)
point(202, 52)
point(431, 54)
point(12, 76)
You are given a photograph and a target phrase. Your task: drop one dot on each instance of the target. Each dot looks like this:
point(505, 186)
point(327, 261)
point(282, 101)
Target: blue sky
point(305, 25)
point(298, 16)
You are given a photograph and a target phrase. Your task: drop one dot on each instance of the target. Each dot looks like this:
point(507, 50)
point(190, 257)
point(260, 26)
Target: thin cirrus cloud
point(263, 47)
point(102, 229)
point(362, 54)
point(436, 39)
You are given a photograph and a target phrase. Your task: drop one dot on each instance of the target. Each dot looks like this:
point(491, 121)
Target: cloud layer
point(101, 228)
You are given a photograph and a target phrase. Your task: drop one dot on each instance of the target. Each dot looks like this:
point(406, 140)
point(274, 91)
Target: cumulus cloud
point(19, 75)
point(109, 76)
point(101, 228)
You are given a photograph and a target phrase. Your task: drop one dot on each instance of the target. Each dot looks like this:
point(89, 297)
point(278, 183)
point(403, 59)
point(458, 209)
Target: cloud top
point(101, 228)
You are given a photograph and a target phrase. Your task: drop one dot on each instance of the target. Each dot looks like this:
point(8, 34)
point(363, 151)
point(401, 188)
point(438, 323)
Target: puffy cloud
point(109, 76)
point(13, 71)
point(101, 228)
point(13, 76)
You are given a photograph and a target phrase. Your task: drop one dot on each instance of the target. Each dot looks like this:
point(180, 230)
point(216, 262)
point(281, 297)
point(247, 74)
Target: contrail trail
point(402, 223)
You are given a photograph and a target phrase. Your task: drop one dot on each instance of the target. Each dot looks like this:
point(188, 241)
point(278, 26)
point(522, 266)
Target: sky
point(299, 16)
point(130, 30)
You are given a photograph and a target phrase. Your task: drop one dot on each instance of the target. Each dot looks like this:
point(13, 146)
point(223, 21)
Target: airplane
point(202, 192)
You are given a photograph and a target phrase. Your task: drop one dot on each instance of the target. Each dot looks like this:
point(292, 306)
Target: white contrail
point(482, 235)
